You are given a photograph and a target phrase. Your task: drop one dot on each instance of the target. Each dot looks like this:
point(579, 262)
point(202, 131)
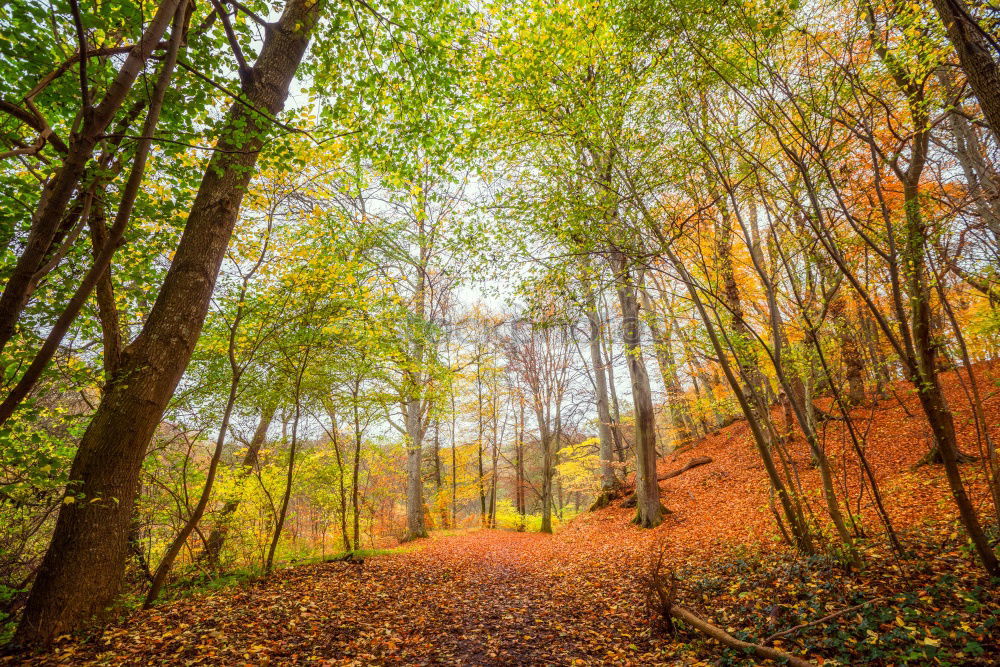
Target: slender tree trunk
point(111, 331)
point(479, 445)
point(82, 568)
point(928, 384)
point(167, 562)
point(437, 456)
point(454, 465)
point(616, 418)
point(608, 480)
point(356, 472)
point(216, 538)
point(545, 436)
point(799, 530)
point(519, 490)
point(494, 460)
point(665, 362)
point(796, 389)
point(290, 475)
point(342, 487)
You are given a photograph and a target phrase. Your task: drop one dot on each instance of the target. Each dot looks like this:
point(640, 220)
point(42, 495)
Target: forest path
point(484, 597)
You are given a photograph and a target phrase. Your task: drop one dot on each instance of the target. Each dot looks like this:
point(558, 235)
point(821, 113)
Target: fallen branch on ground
point(347, 557)
point(693, 463)
point(660, 596)
point(828, 617)
point(727, 639)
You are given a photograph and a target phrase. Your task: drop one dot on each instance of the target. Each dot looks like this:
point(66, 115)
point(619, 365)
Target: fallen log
point(347, 557)
point(693, 463)
point(723, 637)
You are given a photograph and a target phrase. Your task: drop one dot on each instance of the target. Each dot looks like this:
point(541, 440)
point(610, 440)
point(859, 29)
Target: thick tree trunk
point(546, 437)
point(82, 568)
point(414, 482)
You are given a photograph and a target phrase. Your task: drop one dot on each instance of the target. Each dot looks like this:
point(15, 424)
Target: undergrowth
point(934, 606)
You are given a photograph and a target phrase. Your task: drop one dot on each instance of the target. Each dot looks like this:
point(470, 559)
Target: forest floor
point(578, 597)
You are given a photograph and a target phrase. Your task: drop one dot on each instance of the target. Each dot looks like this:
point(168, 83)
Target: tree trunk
point(608, 480)
point(616, 417)
point(167, 562)
point(649, 510)
point(414, 483)
point(341, 486)
point(665, 361)
point(545, 436)
point(107, 310)
point(83, 566)
point(925, 378)
point(479, 445)
point(801, 536)
point(216, 538)
point(290, 475)
point(356, 472)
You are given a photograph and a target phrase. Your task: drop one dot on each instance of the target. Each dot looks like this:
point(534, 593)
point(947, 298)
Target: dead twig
point(828, 617)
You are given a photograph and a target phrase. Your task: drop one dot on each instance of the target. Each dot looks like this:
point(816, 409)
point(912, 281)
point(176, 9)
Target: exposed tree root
point(933, 457)
point(605, 498)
